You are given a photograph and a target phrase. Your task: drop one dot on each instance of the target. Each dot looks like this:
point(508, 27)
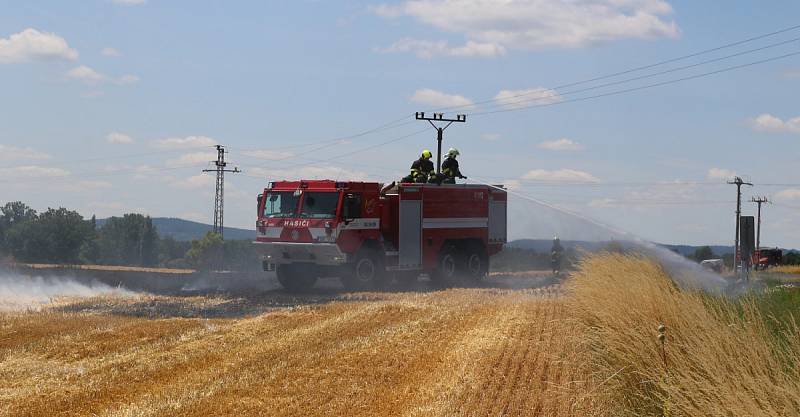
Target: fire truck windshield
point(280, 204)
point(319, 205)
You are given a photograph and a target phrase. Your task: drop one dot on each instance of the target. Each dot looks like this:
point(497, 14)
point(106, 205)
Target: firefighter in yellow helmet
point(422, 169)
point(450, 169)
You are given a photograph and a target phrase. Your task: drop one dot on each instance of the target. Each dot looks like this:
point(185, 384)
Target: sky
point(114, 106)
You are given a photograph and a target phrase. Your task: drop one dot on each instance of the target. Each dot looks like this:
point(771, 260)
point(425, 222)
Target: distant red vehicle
point(767, 257)
point(366, 233)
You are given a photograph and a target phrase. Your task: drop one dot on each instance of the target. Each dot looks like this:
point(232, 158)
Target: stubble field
point(588, 347)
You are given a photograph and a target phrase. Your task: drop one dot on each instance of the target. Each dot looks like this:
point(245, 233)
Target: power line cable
point(643, 87)
point(632, 70)
point(612, 93)
point(555, 95)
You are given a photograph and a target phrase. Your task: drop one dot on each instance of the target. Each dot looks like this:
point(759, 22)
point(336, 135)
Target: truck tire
point(296, 278)
point(368, 272)
point(475, 265)
point(446, 273)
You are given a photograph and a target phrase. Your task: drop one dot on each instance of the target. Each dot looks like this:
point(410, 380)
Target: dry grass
point(719, 358)
point(467, 352)
point(785, 269)
point(107, 268)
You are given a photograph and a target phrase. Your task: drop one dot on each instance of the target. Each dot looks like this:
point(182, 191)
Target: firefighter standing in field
point(422, 169)
point(450, 169)
point(556, 254)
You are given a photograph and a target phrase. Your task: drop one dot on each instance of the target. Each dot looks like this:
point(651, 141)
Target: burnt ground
point(235, 295)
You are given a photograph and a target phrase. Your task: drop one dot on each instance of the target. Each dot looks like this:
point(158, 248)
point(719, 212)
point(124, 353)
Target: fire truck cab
point(368, 234)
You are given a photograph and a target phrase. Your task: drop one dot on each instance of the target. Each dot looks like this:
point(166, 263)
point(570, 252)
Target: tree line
point(62, 236)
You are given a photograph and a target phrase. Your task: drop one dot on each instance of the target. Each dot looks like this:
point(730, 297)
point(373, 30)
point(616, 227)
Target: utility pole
point(759, 201)
point(739, 183)
point(219, 196)
point(439, 117)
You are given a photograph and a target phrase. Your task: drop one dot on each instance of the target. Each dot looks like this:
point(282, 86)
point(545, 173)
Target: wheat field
point(589, 347)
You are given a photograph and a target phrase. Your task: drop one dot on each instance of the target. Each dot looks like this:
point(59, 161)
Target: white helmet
point(453, 152)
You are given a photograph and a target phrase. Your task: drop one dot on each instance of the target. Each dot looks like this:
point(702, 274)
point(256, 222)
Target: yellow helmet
point(427, 154)
point(453, 152)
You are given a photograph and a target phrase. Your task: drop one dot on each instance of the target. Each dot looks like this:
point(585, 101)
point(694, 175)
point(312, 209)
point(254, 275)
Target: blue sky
point(112, 106)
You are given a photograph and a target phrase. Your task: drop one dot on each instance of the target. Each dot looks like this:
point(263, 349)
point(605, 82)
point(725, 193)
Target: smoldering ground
point(20, 292)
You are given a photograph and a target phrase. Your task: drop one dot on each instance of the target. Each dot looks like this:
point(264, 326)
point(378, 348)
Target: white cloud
point(490, 137)
point(192, 159)
point(86, 74)
point(272, 155)
point(769, 123)
point(430, 49)
point(129, 2)
point(116, 137)
point(108, 51)
point(538, 96)
point(92, 77)
point(32, 45)
point(144, 172)
point(128, 79)
point(32, 171)
point(310, 172)
point(792, 74)
point(538, 24)
point(720, 174)
point(84, 186)
point(788, 194)
point(203, 180)
point(560, 175)
point(15, 153)
point(562, 144)
point(434, 98)
point(183, 143)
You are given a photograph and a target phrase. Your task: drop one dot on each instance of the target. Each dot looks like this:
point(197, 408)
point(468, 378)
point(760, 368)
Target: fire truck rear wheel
point(475, 265)
point(446, 273)
point(368, 272)
point(296, 278)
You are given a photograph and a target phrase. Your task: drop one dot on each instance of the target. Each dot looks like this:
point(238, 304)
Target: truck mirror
point(258, 204)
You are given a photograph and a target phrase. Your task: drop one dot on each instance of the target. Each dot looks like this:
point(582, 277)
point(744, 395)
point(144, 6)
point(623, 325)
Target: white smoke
point(18, 292)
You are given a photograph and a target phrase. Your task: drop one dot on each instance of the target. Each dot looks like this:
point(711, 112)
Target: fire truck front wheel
point(296, 278)
point(367, 273)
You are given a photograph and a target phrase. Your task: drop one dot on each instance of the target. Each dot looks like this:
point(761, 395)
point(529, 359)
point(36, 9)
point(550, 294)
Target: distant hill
point(186, 230)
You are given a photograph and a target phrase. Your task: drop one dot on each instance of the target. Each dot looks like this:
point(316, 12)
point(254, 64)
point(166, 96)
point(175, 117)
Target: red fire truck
point(367, 233)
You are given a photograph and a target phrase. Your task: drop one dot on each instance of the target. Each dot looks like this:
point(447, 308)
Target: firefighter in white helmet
point(450, 169)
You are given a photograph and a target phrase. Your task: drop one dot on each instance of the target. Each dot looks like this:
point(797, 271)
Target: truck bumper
point(287, 253)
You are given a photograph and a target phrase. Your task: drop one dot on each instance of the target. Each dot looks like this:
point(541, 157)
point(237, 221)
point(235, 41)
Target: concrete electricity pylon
point(759, 201)
point(219, 195)
point(736, 252)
